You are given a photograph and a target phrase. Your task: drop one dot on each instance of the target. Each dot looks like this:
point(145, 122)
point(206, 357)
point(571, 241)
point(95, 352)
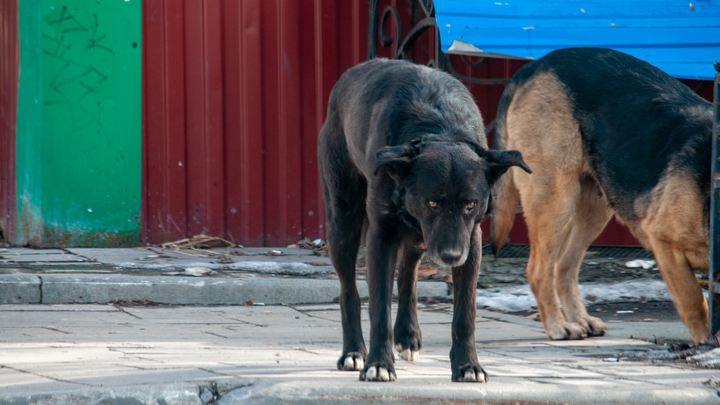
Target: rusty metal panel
point(234, 96)
point(9, 69)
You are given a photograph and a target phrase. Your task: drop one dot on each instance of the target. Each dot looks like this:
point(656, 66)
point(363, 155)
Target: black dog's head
point(446, 186)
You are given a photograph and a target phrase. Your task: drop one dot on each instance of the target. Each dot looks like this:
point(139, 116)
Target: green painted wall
point(79, 153)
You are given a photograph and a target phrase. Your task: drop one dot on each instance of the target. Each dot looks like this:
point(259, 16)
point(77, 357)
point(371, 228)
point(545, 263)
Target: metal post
point(714, 276)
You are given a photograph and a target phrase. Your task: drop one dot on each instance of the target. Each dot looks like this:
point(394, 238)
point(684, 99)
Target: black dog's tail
point(505, 193)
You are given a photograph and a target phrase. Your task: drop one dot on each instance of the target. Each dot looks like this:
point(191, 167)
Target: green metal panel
point(29, 126)
point(89, 148)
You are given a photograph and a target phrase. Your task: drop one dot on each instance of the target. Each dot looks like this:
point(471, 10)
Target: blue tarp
point(680, 37)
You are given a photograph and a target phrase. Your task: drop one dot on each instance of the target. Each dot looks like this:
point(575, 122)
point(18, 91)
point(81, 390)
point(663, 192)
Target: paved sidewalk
point(104, 354)
point(61, 343)
point(99, 276)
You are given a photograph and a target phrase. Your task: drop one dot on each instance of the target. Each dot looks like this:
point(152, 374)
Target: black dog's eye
point(470, 206)
point(432, 204)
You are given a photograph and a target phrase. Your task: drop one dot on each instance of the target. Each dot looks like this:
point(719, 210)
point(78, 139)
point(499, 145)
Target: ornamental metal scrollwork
point(403, 45)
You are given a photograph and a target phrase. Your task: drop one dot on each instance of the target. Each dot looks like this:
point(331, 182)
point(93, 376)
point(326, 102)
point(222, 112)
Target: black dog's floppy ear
point(501, 160)
point(396, 160)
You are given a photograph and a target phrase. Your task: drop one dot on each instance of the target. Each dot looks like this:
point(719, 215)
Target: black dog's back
point(413, 99)
point(634, 119)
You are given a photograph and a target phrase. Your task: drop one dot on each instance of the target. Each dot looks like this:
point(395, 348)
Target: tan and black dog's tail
point(505, 193)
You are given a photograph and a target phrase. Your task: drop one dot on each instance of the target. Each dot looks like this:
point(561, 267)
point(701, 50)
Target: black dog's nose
point(450, 256)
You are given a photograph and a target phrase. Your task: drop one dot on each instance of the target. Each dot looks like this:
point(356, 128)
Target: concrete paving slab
point(81, 289)
point(289, 353)
point(409, 392)
point(19, 289)
point(44, 258)
point(30, 251)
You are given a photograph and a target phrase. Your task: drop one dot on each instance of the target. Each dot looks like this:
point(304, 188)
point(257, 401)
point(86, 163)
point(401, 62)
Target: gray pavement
point(103, 354)
point(61, 343)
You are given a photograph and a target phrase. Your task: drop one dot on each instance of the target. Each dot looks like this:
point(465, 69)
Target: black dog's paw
point(407, 353)
point(470, 373)
point(378, 372)
point(351, 361)
point(408, 342)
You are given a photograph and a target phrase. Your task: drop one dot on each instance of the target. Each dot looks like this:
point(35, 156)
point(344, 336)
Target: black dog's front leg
point(463, 356)
point(381, 257)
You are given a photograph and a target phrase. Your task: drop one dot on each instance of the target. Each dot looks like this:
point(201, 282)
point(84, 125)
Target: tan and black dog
point(403, 154)
point(605, 133)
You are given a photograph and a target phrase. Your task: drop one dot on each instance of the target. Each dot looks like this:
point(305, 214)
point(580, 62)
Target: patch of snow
point(708, 359)
point(520, 298)
point(645, 264)
point(289, 268)
point(198, 271)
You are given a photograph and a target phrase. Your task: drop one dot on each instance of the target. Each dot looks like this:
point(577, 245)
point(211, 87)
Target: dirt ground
point(506, 272)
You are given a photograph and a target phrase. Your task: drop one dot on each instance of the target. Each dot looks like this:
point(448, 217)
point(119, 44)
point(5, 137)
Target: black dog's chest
point(408, 224)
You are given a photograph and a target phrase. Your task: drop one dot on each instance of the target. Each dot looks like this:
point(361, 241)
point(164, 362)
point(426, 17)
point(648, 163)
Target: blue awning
point(680, 37)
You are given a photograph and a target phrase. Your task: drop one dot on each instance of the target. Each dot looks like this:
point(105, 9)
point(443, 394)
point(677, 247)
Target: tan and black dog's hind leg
point(674, 231)
point(549, 210)
point(541, 125)
point(684, 288)
point(344, 193)
point(590, 217)
point(407, 335)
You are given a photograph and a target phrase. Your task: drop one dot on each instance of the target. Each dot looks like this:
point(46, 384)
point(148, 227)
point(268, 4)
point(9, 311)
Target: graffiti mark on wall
point(75, 48)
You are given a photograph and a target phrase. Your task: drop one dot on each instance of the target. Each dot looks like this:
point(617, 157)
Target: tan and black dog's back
point(605, 133)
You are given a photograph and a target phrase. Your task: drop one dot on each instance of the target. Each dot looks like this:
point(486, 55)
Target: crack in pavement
point(313, 316)
point(54, 329)
point(249, 323)
point(121, 309)
point(45, 376)
point(215, 334)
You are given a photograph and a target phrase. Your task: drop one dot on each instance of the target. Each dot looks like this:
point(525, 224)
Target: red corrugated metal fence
point(9, 69)
point(235, 93)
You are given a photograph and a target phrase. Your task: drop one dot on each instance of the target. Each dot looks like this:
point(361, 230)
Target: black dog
point(403, 155)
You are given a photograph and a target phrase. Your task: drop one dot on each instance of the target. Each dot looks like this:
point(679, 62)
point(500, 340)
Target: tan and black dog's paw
point(470, 373)
point(594, 326)
point(566, 331)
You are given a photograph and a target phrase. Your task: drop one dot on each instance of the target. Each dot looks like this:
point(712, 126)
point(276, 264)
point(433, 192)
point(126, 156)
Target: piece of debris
point(625, 312)
point(199, 246)
point(427, 271)
point(198, 271)
point(237, 252)
point(645, 264)
point(248, 303)
point(591, 298)
point(319, 248)
point(198, 242)
point(259, 304)
point(713, 382)
point(534, 317)
point(611, 359)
